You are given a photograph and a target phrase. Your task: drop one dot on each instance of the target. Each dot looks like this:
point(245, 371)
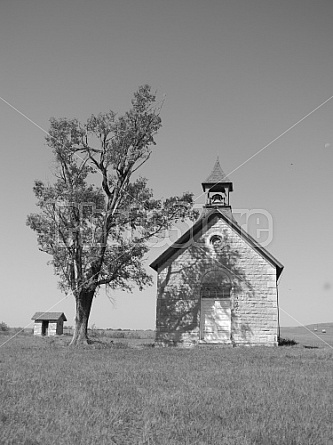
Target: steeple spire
point(217, 175)
point(217, 187)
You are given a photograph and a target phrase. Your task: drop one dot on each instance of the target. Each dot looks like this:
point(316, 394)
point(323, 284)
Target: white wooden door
point(215, 320)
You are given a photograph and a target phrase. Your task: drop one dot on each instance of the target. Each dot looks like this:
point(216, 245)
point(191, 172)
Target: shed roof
point(207, 219)
point(49, 316)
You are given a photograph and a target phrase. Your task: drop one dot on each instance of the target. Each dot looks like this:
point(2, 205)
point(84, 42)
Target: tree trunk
point(83, 308)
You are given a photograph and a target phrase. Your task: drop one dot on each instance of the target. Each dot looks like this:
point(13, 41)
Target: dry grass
point(51, 394)
point(311, 336)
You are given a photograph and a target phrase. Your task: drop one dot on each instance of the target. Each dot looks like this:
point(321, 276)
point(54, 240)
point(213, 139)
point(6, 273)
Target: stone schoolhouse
point(216, 284)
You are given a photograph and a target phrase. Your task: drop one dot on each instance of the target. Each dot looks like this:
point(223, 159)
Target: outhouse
point(49, 323)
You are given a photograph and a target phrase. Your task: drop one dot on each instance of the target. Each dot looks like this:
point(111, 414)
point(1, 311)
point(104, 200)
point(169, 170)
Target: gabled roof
point(49, 316)
point(206, 221)
point(217, 176)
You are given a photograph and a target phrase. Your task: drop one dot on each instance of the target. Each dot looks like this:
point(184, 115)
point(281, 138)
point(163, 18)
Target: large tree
point(97, 216)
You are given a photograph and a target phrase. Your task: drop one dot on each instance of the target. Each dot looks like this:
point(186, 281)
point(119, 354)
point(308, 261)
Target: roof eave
point(40, 316)
point(213, 184)
point(180, 244)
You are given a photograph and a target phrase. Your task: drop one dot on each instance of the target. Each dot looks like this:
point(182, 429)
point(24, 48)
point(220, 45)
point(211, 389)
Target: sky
point(249, 81)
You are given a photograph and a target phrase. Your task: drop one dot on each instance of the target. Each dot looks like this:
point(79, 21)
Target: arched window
point(215, 284)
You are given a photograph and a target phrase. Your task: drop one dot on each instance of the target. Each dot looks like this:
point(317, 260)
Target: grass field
point(311, 336)
point(131, 394)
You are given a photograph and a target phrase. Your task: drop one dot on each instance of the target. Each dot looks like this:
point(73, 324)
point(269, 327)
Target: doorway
point(215, 318)
point(45, 327)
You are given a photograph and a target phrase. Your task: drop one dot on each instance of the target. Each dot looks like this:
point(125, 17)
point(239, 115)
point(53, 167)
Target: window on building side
point(215, 284)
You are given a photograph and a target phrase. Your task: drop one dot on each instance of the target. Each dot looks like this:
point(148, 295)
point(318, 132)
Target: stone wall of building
point(254, 312)
point(37, 328)
point(53, 328)
point(60, 327)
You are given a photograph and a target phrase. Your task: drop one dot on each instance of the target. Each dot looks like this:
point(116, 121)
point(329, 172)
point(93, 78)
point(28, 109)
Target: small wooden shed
point(49, 323)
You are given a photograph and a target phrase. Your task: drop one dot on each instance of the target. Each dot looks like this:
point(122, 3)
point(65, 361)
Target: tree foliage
point(96, 218)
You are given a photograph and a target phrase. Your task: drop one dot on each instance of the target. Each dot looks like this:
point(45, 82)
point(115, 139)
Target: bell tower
point(217, 188)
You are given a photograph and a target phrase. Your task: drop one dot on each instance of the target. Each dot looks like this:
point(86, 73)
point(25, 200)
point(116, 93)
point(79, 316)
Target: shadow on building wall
point(180, 288)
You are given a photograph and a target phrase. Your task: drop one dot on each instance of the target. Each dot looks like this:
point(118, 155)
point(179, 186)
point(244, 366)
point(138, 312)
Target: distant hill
point(319, 326)
point(311, 335)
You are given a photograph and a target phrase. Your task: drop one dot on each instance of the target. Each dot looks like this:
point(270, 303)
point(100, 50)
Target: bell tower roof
point(216, 177)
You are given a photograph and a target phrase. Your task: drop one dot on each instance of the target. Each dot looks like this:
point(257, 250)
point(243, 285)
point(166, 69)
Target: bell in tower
point(217, 188)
